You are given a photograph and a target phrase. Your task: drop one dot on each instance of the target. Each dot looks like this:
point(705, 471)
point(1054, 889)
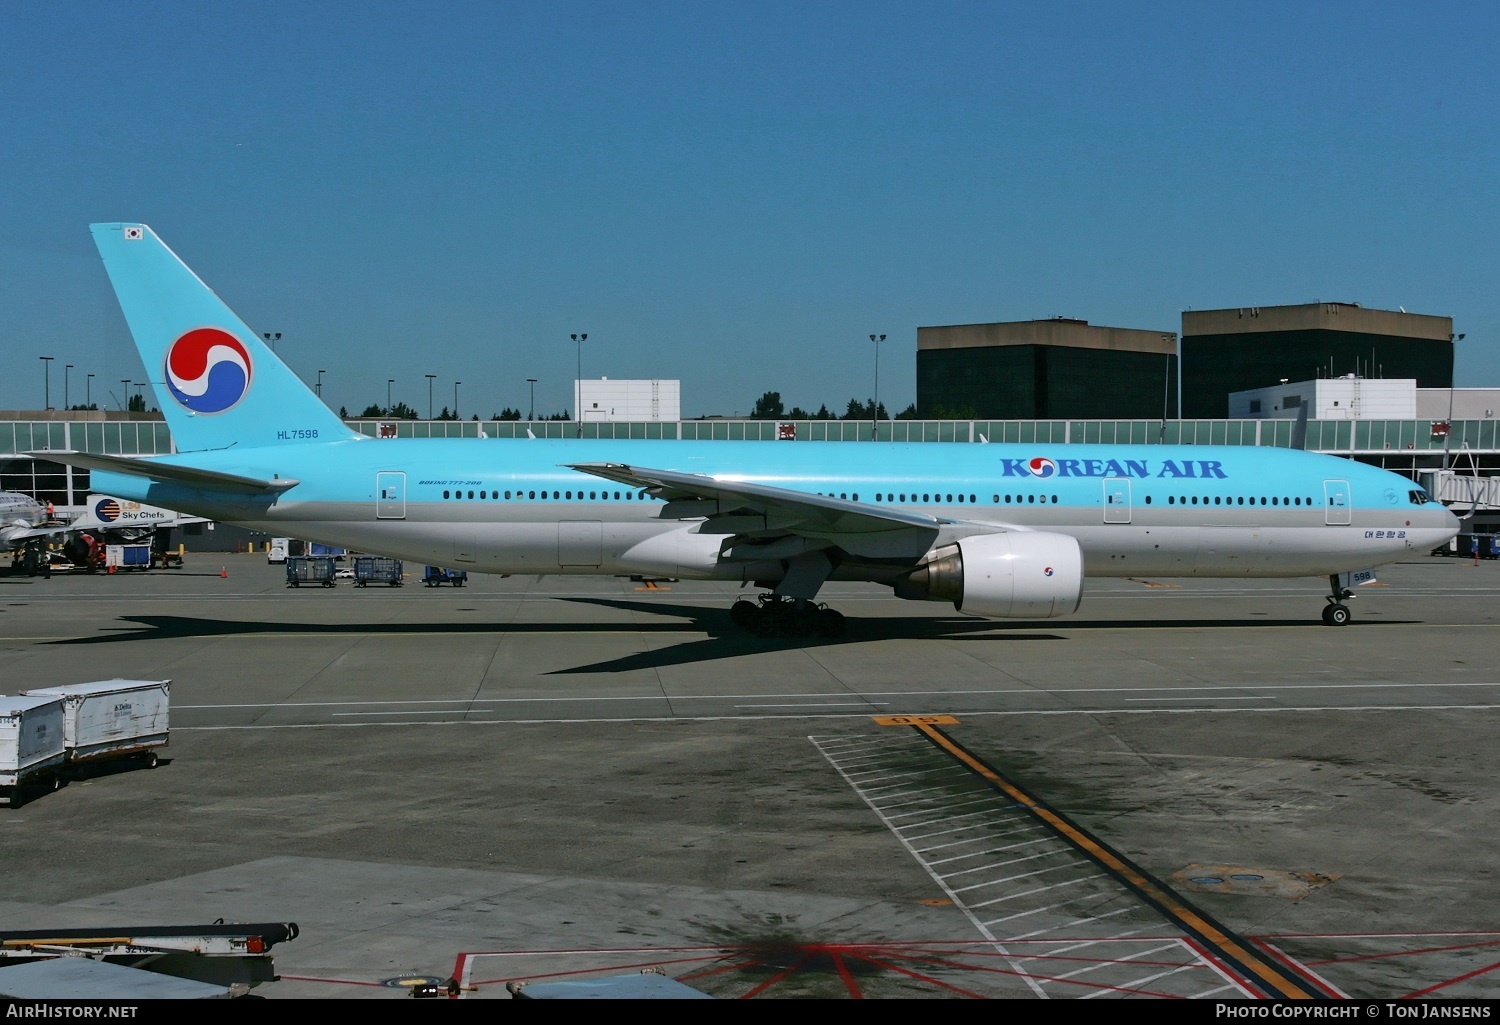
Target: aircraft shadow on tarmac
point(724, 640)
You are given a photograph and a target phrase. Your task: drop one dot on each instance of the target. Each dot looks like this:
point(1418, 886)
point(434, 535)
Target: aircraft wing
point(11, 536)
point(760, 514)
point(174, 473)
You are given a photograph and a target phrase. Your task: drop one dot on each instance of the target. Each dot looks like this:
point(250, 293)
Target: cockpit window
point(1419, 497)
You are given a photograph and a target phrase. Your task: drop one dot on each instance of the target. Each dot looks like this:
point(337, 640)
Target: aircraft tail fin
point(216, 382)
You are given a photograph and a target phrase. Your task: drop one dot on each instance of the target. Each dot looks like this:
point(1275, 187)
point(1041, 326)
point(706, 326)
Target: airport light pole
point(271, 337)
point(388, 382)
point(875, 405)
point(455, 398)
point(1455, 339)
point(320, 382)
point(578, 385)
point(66, 368)
point(1166, 390)
point(531, 415)
point(126, 382)
point(430, 378)
point(46, 382)
point(88, 392)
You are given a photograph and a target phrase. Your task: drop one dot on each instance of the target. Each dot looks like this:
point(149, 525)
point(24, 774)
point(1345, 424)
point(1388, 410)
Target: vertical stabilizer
point(215, 381)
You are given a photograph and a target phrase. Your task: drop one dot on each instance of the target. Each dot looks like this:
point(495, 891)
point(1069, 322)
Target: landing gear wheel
point(742, 613)
point(1336, 615)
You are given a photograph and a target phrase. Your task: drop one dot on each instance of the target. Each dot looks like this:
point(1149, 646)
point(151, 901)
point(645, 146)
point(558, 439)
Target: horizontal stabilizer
point(174, 473)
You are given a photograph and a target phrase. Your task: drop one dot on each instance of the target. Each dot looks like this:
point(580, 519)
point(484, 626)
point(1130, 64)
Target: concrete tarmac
point(526, 780)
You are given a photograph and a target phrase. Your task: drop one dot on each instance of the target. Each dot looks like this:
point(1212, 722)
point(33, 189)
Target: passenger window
point(445, 494)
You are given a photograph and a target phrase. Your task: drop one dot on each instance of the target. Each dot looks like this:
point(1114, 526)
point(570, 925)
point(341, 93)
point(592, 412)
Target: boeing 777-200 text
point(1001, 531)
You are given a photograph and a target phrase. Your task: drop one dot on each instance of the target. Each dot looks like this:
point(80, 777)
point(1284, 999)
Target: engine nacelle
point(1011, 575)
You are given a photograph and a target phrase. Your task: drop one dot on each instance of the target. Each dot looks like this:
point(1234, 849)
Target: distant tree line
point(770, 407)
point(401, 411)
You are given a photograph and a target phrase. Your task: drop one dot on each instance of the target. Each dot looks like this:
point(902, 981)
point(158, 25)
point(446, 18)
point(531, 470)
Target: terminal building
point(1045, 370)
point(1254, 347)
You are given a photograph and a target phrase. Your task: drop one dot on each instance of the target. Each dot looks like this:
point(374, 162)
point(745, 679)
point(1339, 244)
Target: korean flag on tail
point(134, 234)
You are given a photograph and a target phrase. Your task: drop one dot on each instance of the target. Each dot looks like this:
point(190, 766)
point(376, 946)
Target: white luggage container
point(32, 747)
point(112, 718)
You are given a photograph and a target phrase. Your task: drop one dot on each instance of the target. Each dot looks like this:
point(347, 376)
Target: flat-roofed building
point(645, 400)
point(1055, 369)
point(1254, 347)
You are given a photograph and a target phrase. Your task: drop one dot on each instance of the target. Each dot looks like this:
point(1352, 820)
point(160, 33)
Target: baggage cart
point(436, 576)
point(112, 719)
point(32, 748)
point(120, 557)
point(377, 569)
point(310, 569)
point(1484, 546)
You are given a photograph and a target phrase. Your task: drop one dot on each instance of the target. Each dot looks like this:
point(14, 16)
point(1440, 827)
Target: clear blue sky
point(731, 194)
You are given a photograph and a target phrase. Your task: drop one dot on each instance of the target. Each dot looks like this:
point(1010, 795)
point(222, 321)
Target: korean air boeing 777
point(1001, 531)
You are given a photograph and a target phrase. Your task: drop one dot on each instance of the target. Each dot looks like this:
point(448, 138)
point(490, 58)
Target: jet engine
point(1011, 575)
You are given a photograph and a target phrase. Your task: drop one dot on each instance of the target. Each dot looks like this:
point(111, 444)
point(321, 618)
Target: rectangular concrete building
point(1253, 347)
point(645, 400)
point(1045, 370)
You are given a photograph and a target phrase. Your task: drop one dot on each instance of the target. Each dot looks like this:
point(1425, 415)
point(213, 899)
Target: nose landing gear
point(1336, 613)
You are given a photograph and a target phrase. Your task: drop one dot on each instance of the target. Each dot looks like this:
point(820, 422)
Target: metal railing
point(1342, 437)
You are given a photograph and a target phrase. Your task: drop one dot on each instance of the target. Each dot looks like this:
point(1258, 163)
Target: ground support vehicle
point(32, 747)
point(310, 569)
point(151, 962)
point(436, 576)
point(377, 569)
point(110, 719)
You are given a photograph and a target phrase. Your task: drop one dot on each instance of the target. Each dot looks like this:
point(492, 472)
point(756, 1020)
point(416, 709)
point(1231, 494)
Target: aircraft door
point(1336, 503)
point(580, 543)
point(390, 495)
point(1116, 500)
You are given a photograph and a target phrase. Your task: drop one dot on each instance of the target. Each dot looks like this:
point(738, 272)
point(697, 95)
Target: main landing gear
point(1336, 613)
point(775, 615)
